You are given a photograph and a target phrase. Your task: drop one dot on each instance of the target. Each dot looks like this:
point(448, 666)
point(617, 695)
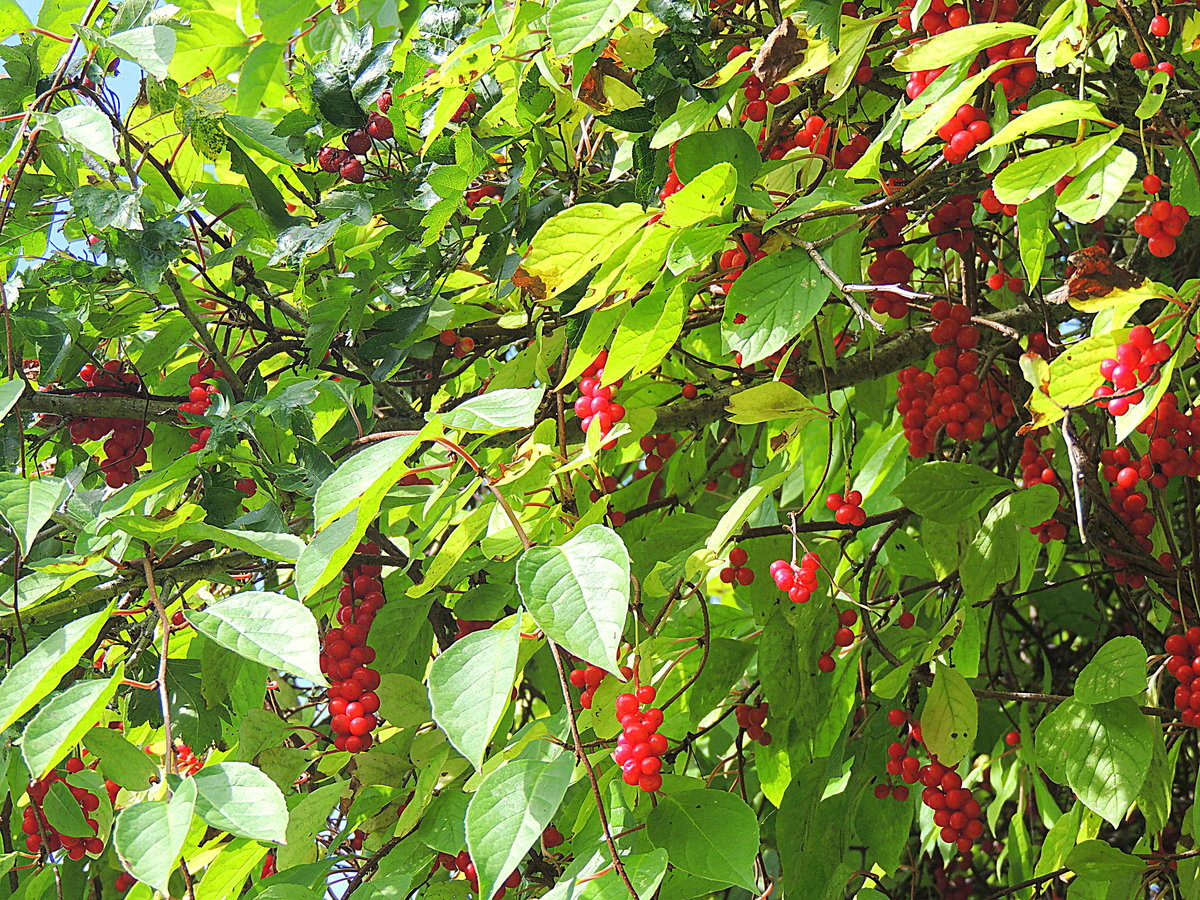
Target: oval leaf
point(237, 797)
point(64, 719)
point(267, 628)
point(708, 833)
point(950, 717)
point(1117, 670)
point(149, 836)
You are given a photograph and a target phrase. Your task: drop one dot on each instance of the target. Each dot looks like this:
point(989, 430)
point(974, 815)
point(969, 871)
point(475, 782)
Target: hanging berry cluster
point(737, 571)
point(797, 580)
point(847, 510)
point(462, 864)
point(201, 388)
point(1161, 226)
point(346, 658)
point(843, 637)
point(1184, 649)
point(758, 96)
point(1136, 366)
point(955, 810)
point(640, 743)
point(966, 130)
point(596, 400)
point(955, 398)
point(359, 142)
point(186, 761)
point(1036, 469)
point(589, 678)
point(751, 720)
point(126, 449)
point(734, 260)
point(40, 834)
point(460, 347)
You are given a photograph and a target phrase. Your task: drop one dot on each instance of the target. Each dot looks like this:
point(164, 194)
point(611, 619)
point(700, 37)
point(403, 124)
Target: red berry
point(1152, 184)
point(1160, 26)
point(358, 142)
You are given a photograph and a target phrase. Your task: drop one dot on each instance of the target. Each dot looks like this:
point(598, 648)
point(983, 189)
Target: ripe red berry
point(1160, 26)
point(358, 142)
point(1166, 67)
point(1152, 184)
point(352, 170)
point(689, 391)
point(907, 620)
point(1013, 738)
point(1140, 59)
point(380, 127)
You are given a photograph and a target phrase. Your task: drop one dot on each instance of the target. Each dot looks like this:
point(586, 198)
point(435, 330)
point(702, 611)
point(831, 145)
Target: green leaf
point(1033, 230)
point(705, 197)
point(950, 717)
point(148, 836)
point(992, 557)
point(854, 36)
point(13, 19)
point(1156, 93)
point(237, 797)
point(64, 719)
point(151, 47)
point(508, 813)
point(578, 593)
point(575, 24)
point(1102, 751)
point(647, 332)
point(64, 813)
point(109, 208)
point(958, 43)
point(505, 409)
point(1033, 175)
point(1041, 118)
point(26, 505)
point(1094, 191)
point(709, 833)
point(772, 400)
point(259, 135)
point(1103, 861)
point(576, 240)
point(948, 491)
point(1117, 670)
point(779, 295)
point(469, 687)
point(36, 674)
point(267, 628)
point(371, 472)
point(88, 129)
point(697, 153)
point(129, 766)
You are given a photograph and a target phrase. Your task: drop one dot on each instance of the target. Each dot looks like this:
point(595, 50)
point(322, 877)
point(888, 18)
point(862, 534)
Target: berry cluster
point(460, 347)
point(892, 266)
point(737, 572)
point(757, 94)
point(991, 204)
point(186, 761)
point(967, 129)
point(466, 108)
point(1017, 79)
point(673, 184)
point(359, 142)
point(589, 678)
point(126, 449)
point(998, 280)
point(735, 259)
point(847, 510)
point(640, 743)
point(346, 657)
point(955, 810)
point(843, 637)
point(1135, 366)
point(955, 398)
point(1160, 226)
point(751, 720)
point(201, 388)
point(596, 400)
point(1184, 666)
point(951, 223)
point(797, 580)
point(40, 834)
point(462, 864)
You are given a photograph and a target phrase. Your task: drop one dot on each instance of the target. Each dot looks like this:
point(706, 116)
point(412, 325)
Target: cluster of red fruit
point(955, 810)
point(734, 260)
point(1184, 665)
point(640, 744)
point(951, 224)
point(757, 94)
point(466, 108)
point(359, 142)
point(186, 761)
point(461, 347)
point(346, 657)
point(999, 279)
point(955, 397)
point(1135, 366)
point(797, 580)
point(751, 720)
point(966, 130)
point(596, 400)
point(843, 637)
point(477, 195)
point(462, 863)
point(673, 184)
point(1036, 469)
point(1160, 226)
point(201, 389)
point(737, 572)
point(991, 204)
point(891, 264)
point(126, 449)
point(847, 510)
point(40, 834)
point(589, 678)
